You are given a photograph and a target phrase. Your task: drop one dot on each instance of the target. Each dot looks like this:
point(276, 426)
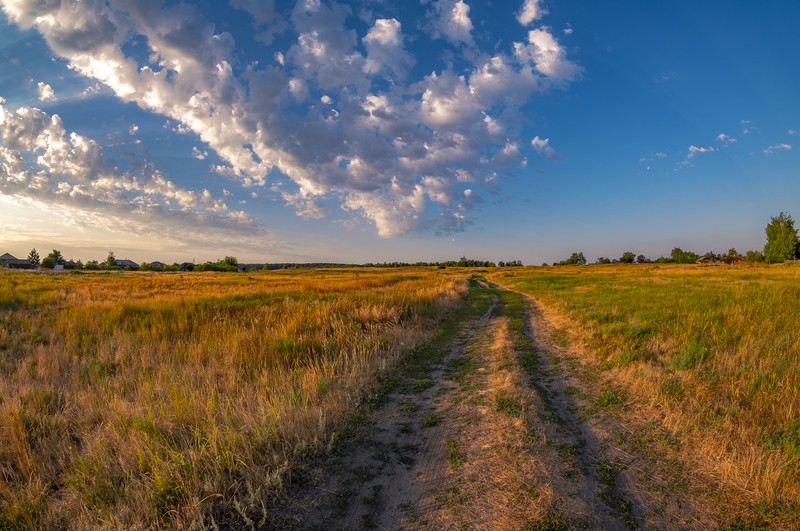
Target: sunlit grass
point(715, 349)
point(174, 399)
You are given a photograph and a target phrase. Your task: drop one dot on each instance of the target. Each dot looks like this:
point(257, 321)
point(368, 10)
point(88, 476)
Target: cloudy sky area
point(372, 130)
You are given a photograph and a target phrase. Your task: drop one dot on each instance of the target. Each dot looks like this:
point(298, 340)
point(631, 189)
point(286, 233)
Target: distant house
point(157, 265)
point(127, 264)
point(12, 262)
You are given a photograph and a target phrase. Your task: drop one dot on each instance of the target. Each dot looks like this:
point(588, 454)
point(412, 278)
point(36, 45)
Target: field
point(642, 396)
point(713, 350)
point(142, 400)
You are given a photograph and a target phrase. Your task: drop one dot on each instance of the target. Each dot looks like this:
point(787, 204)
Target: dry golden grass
point(713, 349)
point(182, 400)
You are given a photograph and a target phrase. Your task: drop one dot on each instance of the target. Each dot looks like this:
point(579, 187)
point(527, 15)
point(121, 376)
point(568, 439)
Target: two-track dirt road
point(494, 427)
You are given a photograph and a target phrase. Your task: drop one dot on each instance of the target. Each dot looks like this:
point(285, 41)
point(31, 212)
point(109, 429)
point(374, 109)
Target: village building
point(126, 264)
point(12, 262)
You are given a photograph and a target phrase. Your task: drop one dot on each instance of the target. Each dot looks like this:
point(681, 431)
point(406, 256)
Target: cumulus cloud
point(451, 21)
point(776, 148)
point(334, 112)
point(725, 139)
point(384, 44)
point(694, 150)
point(46, 92)
point(791, 132)
point(547, 55)
point(41, 161)
point(531, 10)
point(542, 145)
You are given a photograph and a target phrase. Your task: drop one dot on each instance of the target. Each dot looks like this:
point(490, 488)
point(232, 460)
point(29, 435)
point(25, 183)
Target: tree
point(111, 261)
point(53, 259)
point(627, 257)
point(754, 256)
point(731, 256)
point(782, 243)
point(575, 259)
point(679, 256)
point(603, 260)
point(33, 258)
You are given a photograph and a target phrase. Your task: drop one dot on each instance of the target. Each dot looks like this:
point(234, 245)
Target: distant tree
point(79, 265)
point(642, 259)
point(92, 265)
point(679, 256)
point(754, 256)
point(575, 259)
point(731, 256)
point(111, 261)
point(501, 264)
point(229, 264)
point(782, 242)
point(627, 257)
point(602, 260)
point(33, 258)
point(53, 259)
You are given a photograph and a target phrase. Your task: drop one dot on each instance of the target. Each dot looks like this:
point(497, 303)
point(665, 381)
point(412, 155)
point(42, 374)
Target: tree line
point(782, 244)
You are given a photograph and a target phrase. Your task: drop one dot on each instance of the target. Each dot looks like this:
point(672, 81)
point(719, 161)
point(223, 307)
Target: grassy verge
point(175, 400)
point(714, 349)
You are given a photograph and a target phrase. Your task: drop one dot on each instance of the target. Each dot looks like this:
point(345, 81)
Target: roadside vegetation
point(713, 350)
point(180, 400)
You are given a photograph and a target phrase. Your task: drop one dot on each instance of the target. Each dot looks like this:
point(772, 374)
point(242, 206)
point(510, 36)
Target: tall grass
point(187, 400)
point(715, 349)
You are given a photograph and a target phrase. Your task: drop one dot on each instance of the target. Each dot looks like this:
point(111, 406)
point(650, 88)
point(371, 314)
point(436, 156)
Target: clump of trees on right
point(782, 244)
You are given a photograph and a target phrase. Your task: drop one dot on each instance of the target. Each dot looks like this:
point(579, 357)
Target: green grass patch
point(430, 420)
point(507, 403)
point(610, 399)
point(455, 456)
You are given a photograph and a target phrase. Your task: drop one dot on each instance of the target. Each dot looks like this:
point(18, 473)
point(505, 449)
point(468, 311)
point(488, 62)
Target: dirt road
point(495, 426)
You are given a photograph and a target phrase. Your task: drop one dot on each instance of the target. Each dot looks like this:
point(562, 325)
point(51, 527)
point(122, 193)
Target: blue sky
point(370, 131)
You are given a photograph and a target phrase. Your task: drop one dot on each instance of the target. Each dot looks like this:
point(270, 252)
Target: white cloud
point(568, 30)
point(392, 151)
point(661, 155)
point(725, 139)
point(548, 56)
point(199, 155)
point(46, 92)
point(451, 21)
point(694, 150)
point(791, 132)
point(42, 162)
point(384, 44)
point(531, 10)
point(776, 148)
point(542, 145)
